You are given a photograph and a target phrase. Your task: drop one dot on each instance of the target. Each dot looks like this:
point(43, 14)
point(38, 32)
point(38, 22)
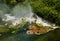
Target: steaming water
point(20, 11)
point(24, 12)
point(4, 7)
point(44, 22)
point(3, 10)
point(39, 20)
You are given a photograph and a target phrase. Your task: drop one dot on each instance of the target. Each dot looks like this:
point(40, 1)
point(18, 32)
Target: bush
point(48, 9)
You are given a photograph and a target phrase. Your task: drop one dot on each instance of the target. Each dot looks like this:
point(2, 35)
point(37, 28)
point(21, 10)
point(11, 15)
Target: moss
point(38, 24)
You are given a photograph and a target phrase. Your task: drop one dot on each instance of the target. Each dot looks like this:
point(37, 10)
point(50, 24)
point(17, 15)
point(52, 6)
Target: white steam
point(24, 12)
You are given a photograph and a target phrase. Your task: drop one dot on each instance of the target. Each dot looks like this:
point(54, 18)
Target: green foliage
point(45, 27)
point(9, 29)
point(50, 36)
point(3, 29)
point(12, 3)
point(38, 24)
point(48, 9)
point(20, 25)
point(9, 1)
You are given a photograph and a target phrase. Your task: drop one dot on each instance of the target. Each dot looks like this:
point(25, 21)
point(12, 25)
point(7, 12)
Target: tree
point(48, 9)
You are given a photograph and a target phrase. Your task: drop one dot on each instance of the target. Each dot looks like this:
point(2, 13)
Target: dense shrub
point(48, 9)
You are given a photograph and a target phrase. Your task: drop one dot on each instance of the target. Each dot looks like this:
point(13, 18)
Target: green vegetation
point(12, 3)
point(48, 9)
point(17, 28)
point(3, 29)
point(38, 24)
point(50, 36)
point(20, 25)
point(14, 33)
point(6, 29)
point(45, 27)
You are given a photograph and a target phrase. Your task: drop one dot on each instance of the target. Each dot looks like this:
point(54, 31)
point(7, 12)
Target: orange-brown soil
point(34, 29)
